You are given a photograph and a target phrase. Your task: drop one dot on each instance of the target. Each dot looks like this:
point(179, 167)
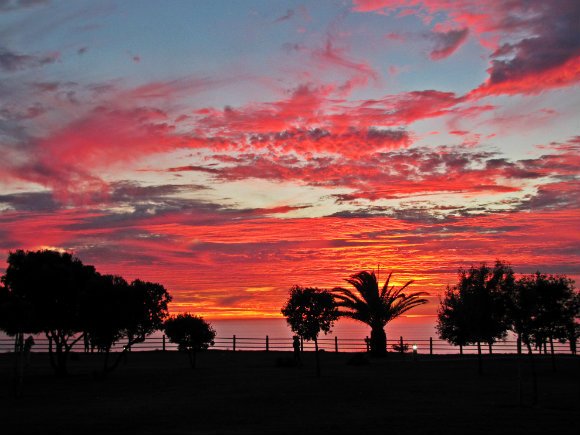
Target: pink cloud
point(446, 43)
point(546, 56)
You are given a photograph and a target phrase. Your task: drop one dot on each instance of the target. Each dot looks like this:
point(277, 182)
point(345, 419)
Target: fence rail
point(266, 343)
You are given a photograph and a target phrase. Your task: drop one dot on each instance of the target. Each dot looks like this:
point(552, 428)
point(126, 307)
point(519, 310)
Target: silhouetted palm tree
point(375, 308)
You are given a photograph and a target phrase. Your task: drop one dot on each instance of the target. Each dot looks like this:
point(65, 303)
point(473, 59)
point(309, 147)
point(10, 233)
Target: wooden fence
point(266, 343)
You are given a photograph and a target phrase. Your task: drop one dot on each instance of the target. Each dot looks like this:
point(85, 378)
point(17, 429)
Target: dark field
point(244, 392)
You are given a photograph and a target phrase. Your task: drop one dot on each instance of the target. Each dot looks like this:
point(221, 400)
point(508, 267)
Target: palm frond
point(367, 304)
point(386, 286)
point(345, 295)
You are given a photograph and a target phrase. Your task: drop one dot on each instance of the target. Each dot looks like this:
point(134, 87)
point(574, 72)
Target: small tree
point(474, 310)
point(191, 333)
point(309, 311)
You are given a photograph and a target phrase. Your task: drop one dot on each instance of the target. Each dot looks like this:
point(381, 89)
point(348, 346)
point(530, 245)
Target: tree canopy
point(309, 311)
point(544, 308)
point(55, 293)
point(191, 333)
point(45, 289)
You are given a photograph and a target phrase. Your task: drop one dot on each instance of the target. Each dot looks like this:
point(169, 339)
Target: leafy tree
point(544, 308)
point(141, 310)
point(375, 308)
point(474, 310)
point(453, 323)
point(191, 333)
point(308, 311)
point(105, 312)
point(42, 293)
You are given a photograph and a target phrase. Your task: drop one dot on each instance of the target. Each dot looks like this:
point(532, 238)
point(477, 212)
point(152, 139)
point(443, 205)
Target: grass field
point(246, 393)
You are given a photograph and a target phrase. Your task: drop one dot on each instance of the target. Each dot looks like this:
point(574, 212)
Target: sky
point(232, 149)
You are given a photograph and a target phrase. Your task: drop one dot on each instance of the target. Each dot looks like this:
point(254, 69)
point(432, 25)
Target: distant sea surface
point(410, 328)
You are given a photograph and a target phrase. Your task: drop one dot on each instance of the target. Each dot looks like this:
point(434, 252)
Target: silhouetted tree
point(309, 311)
point(191, 333)
point(544, 308)
point(375, 308)
point(53, 292)
point(474, 310)
point(42, 293)
point(453, 323)
point(105, 312)
point(141, 310)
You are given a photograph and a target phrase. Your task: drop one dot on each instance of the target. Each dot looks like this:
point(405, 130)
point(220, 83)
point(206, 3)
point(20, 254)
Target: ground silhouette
point(245, 393)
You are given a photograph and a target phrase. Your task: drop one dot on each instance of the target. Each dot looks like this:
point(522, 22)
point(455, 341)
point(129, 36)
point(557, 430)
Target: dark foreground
point(246, 393)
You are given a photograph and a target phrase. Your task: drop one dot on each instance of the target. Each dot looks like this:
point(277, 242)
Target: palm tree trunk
point(378, 341)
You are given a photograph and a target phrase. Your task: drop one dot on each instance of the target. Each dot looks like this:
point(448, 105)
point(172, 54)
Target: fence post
point(460, 349)
point(163, 342)
point(336, 344)
point(519, 344)
point(368, 343)
point(234, 342)
point(430, 345)
point(267, 344)
point(401, 349)
point(301, 344)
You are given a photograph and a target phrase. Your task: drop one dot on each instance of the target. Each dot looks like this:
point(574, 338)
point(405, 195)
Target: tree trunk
point(520, 381)
point(121, 357)
point(534, 376)
point(490, 345)
point(106, 361)
point(50, 352)
point(61, 360)
point(192, 358)
point(317, 356)
point(378, 341)
point(479, 361)
point(552, 356)
point(58, 356)
point(19, 366)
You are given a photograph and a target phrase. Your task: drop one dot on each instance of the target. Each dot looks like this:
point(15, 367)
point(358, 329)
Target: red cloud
point(173, 248)
point(401, 173)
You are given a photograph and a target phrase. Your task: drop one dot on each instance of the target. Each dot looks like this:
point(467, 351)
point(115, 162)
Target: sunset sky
point(232, 149)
